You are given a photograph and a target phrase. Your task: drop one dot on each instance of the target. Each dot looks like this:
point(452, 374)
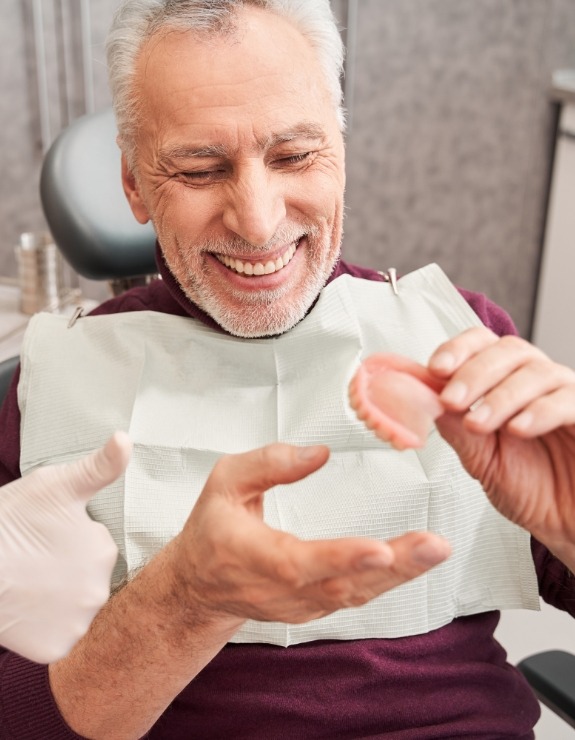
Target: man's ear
point(132, 192)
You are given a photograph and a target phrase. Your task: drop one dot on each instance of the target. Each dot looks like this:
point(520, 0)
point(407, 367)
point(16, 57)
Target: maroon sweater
point(452, 682)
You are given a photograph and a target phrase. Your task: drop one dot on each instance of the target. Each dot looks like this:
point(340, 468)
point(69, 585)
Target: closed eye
point(202, 177)
point(293, 160)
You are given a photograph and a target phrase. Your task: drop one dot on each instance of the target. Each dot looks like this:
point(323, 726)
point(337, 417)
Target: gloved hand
point(55, 562)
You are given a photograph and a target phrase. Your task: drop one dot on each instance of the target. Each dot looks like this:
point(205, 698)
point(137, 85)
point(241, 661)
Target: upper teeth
point(258, 268)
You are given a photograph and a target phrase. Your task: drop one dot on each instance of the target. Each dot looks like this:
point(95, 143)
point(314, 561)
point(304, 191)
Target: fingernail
point(429, 553)
point(523, 421)
point(308, 453)
point(382, 559)
point(454, 393)
point(444, 361)
point(480, 414)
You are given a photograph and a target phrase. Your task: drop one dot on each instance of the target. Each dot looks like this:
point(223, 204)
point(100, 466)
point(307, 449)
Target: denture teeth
point(258, 268)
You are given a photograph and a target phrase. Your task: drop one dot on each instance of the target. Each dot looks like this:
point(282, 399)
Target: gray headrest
point(85, 205)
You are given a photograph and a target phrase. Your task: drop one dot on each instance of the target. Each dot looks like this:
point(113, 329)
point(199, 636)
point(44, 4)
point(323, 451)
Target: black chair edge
point(551, 675)
point(7, 370)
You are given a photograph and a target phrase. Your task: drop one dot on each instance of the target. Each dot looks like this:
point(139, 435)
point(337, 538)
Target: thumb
point(249, 474)
point(85, 477)
point(473, 448)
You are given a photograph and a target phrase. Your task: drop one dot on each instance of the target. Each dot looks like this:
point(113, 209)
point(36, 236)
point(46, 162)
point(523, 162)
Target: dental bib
point(187, 394)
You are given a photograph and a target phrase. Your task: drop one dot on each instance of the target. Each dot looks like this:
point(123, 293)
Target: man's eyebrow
point(191, 152)
point(308, 131)
point(311, 131)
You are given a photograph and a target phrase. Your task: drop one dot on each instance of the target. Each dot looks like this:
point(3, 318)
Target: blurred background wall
point(52, 70)
point(450, 142)
point(450, 136)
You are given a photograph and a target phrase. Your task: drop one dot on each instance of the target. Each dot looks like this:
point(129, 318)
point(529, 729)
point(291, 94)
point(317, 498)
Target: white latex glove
point(55, 562)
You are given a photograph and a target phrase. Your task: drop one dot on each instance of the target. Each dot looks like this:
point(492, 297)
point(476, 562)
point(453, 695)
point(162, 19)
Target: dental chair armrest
point(551, 675)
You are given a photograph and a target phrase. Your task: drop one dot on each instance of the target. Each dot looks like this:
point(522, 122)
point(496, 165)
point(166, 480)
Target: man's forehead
point(269, 54)
point(245, 94)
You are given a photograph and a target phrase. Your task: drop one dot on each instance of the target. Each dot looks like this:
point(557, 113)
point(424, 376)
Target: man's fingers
point(351, 560)
point(298, 563)
point(449, 356)
point(503, 381)
point(413, 554)
point(520, 391)
point(347, 556)
point(545, 414)
point(500, 363)
point(249, 474)
point(416, 552)
point(382, 567)
point(87, 476)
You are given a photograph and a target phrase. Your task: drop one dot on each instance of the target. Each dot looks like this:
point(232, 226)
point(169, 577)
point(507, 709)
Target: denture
point(397, 398)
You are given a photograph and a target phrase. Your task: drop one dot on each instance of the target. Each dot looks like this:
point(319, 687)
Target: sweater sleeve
point(27, 707)
point(492, 315)
point(556, 582)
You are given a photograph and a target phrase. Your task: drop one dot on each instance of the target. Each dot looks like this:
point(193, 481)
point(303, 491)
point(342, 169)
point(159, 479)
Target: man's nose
point(255, 204)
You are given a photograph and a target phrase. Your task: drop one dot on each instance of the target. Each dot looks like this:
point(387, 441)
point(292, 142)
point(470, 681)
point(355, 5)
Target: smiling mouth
point(248, 267)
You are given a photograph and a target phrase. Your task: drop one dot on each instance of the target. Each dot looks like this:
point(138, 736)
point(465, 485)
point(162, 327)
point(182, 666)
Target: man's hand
point(224, 567)
point(518, 439)
point(55, 562)
point(228, 562)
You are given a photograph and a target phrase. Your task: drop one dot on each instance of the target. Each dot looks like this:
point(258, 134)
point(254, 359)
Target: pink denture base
point(397, 398)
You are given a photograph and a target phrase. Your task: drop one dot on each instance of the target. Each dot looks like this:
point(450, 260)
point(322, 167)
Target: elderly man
point(228, 625)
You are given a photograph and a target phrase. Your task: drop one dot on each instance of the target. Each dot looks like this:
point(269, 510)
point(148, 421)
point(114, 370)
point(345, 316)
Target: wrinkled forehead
point(261, 70)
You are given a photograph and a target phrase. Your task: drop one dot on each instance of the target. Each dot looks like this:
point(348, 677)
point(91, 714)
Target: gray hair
point(136, 21)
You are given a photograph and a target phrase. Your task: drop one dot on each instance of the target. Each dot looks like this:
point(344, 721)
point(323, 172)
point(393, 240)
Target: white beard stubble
point(265, 312)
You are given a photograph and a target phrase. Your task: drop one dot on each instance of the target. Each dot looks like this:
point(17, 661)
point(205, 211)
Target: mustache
point(236, 245)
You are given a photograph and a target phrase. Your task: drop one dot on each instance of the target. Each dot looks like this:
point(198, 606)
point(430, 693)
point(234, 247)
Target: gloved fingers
point(30, 639)
point(85, 477)
point(105, 551)
point(51, 592)
point(46, 631)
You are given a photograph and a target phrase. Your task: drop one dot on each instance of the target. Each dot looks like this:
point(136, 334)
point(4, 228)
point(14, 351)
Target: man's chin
point(265, 319)
point(266, 313)
point(257, 326)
